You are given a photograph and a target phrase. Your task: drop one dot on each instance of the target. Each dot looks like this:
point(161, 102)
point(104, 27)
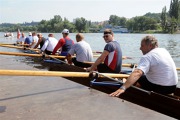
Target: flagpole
point(18, 34)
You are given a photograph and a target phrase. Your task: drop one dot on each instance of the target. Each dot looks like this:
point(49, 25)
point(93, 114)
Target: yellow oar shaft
point(18, 47)
point(12, 46)
point(123, 65)
point(31, 55)
point(55, 74)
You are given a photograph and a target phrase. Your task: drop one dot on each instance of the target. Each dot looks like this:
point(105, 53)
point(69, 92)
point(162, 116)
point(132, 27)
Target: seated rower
point(28, 40)
point(111, 56)
point(49, 44)
point(41, 41)
point(82, 50)
point(156, 70)
point(21, 40)
point(34, 40)
point(64, 44)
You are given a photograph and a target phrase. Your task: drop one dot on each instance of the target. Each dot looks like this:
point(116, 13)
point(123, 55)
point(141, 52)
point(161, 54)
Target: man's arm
point(98, 61)
point(135, 75)
point(69, 58)
point(39, 41)
point(59, 45)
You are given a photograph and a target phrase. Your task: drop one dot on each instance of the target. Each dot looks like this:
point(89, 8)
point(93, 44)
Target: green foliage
point(81, 25)
point(117, 21)
point(164, 19)
point(170, 25)
point(55, 25)
point(156, 16)
point(141, 23)
point(174, 9)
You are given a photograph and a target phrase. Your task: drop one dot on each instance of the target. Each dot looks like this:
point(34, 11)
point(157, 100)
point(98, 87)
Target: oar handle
point(123, 65)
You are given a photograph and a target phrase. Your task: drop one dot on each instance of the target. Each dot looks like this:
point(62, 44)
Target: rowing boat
point(166, 104)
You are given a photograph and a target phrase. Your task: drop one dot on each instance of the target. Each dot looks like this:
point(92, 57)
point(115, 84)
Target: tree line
point(165, 22)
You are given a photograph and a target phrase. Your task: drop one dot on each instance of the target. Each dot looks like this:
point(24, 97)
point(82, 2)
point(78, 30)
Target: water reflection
point(172, 47)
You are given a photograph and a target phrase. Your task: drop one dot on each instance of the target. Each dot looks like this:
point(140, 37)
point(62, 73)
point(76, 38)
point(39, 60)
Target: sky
point(20, 11)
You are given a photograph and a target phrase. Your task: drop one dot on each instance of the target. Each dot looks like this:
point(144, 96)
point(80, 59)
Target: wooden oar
point(31, 55)
point(177, 68)
point(97, 52)
point(55, 74)
point(19, 47)
point(123, 57)
point(7, 44)
point(123, 65)
point(12, 46)
point(22, 44)
point(1, 44)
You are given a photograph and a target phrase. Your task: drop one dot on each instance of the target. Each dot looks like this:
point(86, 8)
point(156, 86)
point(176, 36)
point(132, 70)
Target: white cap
point(65, 31)
point(30, 33)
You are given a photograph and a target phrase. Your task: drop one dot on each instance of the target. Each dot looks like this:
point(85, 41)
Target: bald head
point(79, 37)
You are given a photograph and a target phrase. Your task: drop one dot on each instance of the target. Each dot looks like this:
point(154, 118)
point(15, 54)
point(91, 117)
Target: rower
point(111, 56)
point(156, 70)
point(64, 43)
point(49, 44)
point(82, 50)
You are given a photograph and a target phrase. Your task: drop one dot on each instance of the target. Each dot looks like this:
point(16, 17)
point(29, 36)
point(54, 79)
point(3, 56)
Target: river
point(130, 44)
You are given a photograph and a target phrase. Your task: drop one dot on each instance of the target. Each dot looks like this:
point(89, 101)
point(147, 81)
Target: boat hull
point(158, 102)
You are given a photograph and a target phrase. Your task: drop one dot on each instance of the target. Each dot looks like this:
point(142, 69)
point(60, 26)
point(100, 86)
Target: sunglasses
point(105, 36)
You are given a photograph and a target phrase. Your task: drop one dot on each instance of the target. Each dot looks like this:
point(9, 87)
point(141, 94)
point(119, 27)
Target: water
point(130, 44)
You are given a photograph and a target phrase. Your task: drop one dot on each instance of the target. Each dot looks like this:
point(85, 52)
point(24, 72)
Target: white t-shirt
point(49, 44)
point(82, 50)
point(159, 67)
point(21, 39)
point(35, 41)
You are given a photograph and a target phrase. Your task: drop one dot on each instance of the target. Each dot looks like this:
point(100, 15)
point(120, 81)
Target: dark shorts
point(80, 64)
point(48, 52)
point(103, 68)
point(145, 84)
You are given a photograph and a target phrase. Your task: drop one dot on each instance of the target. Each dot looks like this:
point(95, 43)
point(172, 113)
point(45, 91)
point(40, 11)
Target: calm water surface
point(130, 44)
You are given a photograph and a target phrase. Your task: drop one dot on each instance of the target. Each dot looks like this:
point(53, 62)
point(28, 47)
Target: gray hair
point(150, 40)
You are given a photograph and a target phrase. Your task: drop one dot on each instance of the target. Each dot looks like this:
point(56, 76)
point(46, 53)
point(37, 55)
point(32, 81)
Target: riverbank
point(56, 98)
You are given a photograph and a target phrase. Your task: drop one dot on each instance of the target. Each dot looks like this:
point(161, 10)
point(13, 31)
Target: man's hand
point(117, 93)
point(87, 69)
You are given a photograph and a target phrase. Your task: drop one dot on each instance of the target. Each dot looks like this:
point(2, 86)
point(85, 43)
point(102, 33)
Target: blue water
point(130, 44)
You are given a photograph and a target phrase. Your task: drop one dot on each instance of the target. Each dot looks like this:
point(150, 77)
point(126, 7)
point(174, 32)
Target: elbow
point(138, 73)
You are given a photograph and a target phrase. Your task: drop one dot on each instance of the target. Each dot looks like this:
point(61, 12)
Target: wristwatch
point(123, 87)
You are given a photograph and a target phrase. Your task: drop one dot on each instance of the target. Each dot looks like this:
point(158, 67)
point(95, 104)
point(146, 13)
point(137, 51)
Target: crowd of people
point(156, 70)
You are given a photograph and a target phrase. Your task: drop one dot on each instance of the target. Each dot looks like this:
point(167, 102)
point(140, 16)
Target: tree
point(174, 15)
point(174, 9)
point(164, 19)
point(68, 25)
point(142, 23)
point(117, 21)
point(81, 24)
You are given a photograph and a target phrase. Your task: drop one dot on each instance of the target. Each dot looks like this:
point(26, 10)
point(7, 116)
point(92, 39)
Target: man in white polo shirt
point(156, 70)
